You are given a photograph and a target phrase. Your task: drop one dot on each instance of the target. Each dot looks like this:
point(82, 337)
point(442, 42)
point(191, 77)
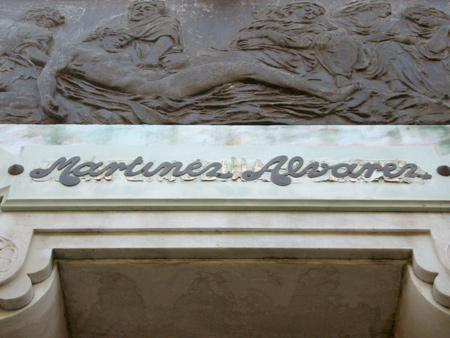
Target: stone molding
point(422, 239)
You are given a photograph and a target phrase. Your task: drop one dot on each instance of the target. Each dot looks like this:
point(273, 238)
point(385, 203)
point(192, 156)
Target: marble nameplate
point(226, 177)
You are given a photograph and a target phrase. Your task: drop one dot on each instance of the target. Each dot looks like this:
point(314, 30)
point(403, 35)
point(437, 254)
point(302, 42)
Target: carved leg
point(276, 77)
point(198, 79)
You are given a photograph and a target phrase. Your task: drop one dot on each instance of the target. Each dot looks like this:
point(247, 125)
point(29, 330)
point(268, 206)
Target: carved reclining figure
point(107, 64)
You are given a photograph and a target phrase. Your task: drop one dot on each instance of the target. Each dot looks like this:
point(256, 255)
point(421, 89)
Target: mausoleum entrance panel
point(231, 298)
point(224, 274)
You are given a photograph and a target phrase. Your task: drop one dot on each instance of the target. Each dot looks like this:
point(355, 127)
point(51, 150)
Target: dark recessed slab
point(231, 298)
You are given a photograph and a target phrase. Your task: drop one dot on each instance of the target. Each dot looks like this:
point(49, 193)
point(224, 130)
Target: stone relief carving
point(8, 254)
point(295, 63)
point(23, 53)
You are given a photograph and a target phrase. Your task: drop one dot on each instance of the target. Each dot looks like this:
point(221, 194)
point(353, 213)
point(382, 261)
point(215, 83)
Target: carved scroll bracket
point(441, 238)
point(16, 289)
point(15, 286)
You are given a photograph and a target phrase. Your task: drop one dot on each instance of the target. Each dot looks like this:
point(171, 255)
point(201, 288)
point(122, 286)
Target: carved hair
point(49, 13)
point(159, 4)
point(108, 31)
point(270, 12)
point(273, 12)
point(359, 6)
point(290, 8)
point(423, 10)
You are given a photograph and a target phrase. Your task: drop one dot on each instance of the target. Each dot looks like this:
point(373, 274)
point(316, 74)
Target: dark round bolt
point(15, 169)
point(443, 170)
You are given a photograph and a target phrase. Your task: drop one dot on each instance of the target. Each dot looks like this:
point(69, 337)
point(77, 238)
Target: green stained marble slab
point(428, 191)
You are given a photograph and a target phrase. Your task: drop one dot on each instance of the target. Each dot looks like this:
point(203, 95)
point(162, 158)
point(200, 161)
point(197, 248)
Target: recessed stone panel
point(231, 298)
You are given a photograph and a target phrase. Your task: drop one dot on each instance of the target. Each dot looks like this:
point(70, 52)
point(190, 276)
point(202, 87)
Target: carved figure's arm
point(258, 34)
point(407, 40)
point(161, 46)
point(323, 40)
point(380, 37)
point(301, 42)
point(46, 83)
point(376, 37)
point(36, 55)
point(278, 38)
point(439, 41)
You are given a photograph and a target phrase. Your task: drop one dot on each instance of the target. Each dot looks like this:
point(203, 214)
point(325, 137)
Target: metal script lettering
point(71, 170)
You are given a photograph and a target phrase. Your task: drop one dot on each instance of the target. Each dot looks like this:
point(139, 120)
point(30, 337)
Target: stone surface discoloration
point(346, 238)
point(274, 298)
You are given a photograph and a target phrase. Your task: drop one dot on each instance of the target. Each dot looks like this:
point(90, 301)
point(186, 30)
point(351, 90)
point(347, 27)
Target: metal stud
point(443, 170)
point(15, 169)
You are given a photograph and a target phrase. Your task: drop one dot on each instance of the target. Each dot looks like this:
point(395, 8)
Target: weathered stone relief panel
point(203, 62)
point(222, 298)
